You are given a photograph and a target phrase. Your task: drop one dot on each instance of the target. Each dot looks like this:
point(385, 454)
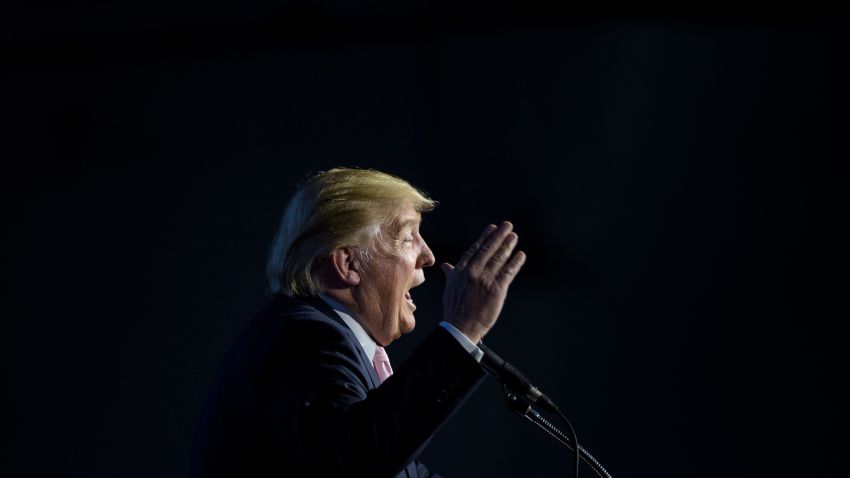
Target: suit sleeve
point(424, 472)
point(318, 403)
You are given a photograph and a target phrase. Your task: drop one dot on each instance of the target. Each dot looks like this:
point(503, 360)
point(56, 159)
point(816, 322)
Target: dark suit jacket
point(295, 395)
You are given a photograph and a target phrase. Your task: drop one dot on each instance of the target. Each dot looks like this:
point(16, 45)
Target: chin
point(407, 325)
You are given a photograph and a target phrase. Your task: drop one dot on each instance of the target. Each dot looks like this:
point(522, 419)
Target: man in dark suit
point(307, 388)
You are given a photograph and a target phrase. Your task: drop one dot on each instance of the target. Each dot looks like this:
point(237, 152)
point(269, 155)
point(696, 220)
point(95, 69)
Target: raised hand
point(477, 285)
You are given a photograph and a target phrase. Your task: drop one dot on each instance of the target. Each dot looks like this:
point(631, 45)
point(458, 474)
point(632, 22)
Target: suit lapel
point(409, 471)
point(365, 363)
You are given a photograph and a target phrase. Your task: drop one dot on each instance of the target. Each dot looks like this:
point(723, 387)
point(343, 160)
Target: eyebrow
point(407, 222)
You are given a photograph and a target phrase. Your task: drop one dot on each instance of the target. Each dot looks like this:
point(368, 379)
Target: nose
point(426, 257)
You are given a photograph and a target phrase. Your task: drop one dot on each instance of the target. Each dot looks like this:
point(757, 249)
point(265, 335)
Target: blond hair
point(342, 207)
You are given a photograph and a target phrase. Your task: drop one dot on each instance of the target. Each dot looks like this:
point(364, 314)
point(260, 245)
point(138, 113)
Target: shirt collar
point(345, 314)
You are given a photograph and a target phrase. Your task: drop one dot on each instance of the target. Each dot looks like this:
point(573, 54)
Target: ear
point(344, 266)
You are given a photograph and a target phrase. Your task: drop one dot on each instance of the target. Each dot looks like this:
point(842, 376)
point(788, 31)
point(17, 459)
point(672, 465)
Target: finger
point(509, 271)
point(464, 259)
point(446, 267)
point(503, 253)
point(490, 246)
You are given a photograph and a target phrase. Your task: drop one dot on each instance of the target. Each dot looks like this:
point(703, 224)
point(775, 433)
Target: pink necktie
point(382, 364)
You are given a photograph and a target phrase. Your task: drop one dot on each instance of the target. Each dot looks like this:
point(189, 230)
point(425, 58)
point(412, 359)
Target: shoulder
point(288, 331)
point(297, 322)
point(295, 341)
point(306, 314)
point(285, 327)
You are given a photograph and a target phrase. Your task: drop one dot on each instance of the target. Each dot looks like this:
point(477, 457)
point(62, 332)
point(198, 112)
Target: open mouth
point(409, 300)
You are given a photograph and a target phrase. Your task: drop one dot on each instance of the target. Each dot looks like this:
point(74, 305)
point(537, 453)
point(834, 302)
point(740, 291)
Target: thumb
point(446, 267)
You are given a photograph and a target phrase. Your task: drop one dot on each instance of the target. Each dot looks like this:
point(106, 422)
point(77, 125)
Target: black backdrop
point(675, 183)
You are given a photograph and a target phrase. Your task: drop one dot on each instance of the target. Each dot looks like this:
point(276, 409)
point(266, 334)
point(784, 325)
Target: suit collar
point(363, 337)
point(326, 309)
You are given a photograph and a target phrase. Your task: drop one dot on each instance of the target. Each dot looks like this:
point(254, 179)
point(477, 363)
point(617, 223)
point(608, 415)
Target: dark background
point(674, 177)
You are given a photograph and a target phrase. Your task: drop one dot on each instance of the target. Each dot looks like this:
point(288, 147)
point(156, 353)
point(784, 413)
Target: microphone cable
point(572, 432)
point(519, 394)
point(522, 407)
point(534, 417)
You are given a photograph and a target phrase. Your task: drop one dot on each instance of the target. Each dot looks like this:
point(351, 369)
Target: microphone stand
point(521, 406)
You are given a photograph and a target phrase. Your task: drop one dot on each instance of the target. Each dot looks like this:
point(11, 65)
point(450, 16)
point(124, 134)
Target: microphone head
point(513, 379)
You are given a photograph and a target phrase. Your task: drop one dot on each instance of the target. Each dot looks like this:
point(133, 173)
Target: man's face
point(384, 291)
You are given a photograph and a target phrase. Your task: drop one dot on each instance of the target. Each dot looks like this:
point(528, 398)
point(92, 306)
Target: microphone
point(514, 381)
point(512, 378)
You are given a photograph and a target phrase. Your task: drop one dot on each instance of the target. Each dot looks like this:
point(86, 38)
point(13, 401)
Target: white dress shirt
point(369, 345)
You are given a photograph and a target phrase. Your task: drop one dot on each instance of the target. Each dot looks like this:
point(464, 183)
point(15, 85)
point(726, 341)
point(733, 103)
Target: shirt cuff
point(464, 341)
